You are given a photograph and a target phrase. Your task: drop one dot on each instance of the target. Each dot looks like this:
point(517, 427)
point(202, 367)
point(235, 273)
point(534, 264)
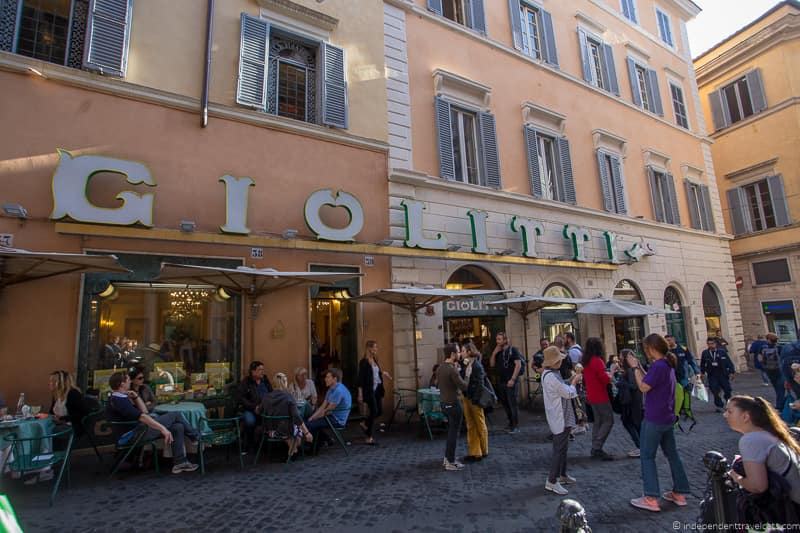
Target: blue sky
point(721, 18)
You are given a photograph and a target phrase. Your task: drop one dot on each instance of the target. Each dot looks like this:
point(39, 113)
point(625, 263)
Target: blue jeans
point(652, 436)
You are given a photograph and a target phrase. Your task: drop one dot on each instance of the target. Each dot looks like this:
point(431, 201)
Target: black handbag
point(487, 396)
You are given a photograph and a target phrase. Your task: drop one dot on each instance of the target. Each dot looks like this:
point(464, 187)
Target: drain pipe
point(207, 74)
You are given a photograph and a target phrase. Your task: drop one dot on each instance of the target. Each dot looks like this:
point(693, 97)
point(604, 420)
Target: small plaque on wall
point(7, 240)
point(279, 331)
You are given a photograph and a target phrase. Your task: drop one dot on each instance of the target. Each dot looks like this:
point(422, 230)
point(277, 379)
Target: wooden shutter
point(629, 10)
point(619, 185)
point(718, 104)
point(550, 54)
point(779, 205)
point(694, 211)
point(491, 159)
point(739, 216)
point(532, 149)
point(516, 23)
point(658, 211)
point(586, 60)
point(655, 92)
point(251, 88)
point(334, 87)
point(565, 174)
point(107, 36)
point(610, 69)
point(9, 14)
point(444, 132)
point(756, 86)
point(706, 215)
point(605, 182)
point(477, 15)
point(637, 98)
point(673, 201)
point(435, 6)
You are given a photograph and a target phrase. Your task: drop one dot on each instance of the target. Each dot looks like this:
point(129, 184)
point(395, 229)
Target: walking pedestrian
point(717, 367)
point(597, 380)
point(370, 389)
point(450, 387)
point(659, 424)
point(508, 362)
point(755, 351)
point(574, 350)
point(770, 359)
point(557, 396)
point(685, 370)
point(477, 432)
point(630, 398)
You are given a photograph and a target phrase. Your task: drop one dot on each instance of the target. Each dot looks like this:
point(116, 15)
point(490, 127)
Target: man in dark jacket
point(249, 395)
point(508, 363)
point(716, 365)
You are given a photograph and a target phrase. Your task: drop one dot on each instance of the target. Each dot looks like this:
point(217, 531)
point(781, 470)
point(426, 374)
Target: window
point(549, 166)
point(758, 206)
point(301, 79)
point(468, 13)
point(83, 34)
point(738, 100)
point(611, 182)
point(678, 105)
point(629, 10)
point(531, 44)
point(663, 196)
point(775, 271)
point(644, 87)
point(532, 29)
point(598, 62)
point(641, 85)
point(699, 201)
point(664, 28)
point(465, 145)
point(454, 10)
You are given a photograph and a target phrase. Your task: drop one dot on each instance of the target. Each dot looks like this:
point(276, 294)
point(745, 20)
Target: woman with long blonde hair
point(279, 403)
point(68, 405)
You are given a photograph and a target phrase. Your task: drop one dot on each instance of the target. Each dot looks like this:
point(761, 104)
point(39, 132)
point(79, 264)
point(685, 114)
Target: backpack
point(523, 362)
point(770, 358)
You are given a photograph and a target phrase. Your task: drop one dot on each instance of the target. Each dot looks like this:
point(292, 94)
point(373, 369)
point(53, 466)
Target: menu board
point(199, 381)
point(218, 374)
point(168, 372)
point(101, 377)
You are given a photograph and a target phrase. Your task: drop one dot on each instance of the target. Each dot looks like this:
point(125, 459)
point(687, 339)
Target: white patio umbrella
point(412, 299)
point(19, 266)
point(611, 307)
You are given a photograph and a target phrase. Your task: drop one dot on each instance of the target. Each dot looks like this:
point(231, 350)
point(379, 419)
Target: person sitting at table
point(303, 389)
point(337, 404)
point(141, 388)
point(68, 406)
point(279, 402)
point(249, 395)
point(125, 405)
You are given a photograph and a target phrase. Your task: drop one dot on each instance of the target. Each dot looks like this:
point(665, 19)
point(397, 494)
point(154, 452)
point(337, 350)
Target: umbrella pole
point(416, 356)
point(525, 357)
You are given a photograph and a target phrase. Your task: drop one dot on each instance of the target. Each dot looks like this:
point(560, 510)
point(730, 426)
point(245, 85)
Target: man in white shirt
point(574, 349)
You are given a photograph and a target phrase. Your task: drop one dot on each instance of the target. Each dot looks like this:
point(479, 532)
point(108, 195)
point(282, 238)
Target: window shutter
point(532, 148)
point(491, 160)
point(626, 9)
point(637, 98)
point(444, 133)
point(435, 6)
point(516, 23)
point(610, 69)
point(605, 182)
point(739, 217)
point(586, 61)
point(756, 86)
point(658, 212)
point(334, 87)
point(779, 205)
point(550, 54)
point(655, 92)
point(251, 87)
point(477, 15)
point(108, 34)
point(717, 106)
point(565, 162)
point(673, 201)
point(619, 185)
point(9, 12)
point(694, 213)
point(707, 214)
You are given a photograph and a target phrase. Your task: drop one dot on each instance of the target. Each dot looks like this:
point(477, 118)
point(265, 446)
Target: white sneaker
point(567, 480)
point(455, 465)
point(556, 487)
point(577, 430)
point(635, 453)
point(185, 466)
point(444, 461)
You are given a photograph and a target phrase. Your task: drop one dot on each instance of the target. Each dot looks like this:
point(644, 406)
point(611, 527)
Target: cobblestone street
point(397, 486)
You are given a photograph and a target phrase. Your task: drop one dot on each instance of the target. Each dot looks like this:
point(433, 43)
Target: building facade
point(164, 131)
point(750, 91)
point(554, 148)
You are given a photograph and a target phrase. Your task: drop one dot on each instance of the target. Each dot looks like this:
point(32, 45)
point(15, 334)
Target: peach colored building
point(750, 89)
point(554, 148)
point(214, 157)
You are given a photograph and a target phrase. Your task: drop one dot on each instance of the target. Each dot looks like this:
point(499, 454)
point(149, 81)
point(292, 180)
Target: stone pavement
point(397, 486)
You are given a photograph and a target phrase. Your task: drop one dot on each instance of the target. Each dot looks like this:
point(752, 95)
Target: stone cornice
point(302, 13)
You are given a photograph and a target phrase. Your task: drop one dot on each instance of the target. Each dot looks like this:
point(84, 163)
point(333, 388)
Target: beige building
point(750, 90)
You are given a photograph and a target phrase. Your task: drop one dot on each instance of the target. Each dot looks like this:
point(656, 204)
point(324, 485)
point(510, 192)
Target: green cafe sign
point(70, 200)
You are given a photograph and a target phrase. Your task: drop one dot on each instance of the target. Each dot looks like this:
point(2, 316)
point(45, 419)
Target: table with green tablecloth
point(28, 429)
point(194, 412)
point(428, 401)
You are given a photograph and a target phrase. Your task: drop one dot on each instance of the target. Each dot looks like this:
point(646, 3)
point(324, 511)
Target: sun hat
point(552, 356)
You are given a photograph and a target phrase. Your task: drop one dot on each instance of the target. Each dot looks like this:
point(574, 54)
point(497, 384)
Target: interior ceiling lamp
point(15, 210)
point(186, 302)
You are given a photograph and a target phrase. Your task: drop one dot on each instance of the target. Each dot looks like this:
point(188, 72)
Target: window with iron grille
point(292, 77)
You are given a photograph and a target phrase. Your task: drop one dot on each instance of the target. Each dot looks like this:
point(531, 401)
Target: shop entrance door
point(781, 319)
point(479, 329)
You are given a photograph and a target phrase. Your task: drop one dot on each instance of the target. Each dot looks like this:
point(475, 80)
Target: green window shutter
point(654, 92)
point(619, 185)
point(251, 87)
point(435, 6)
point(756, 86)
point(565, 168)
point(610, 69)
point(108, 31)
point(658, 211)
point(491, 159)
point(694, 213)
point(550, 54)
point(779, 205)
point(605, 182)
point(334, 87)
point(586, 61)
point(637, 98)
point(739, 217)
point(718, 108)
point(444, 133)
point(532, 149)
point(476, 16)
point(516, 23)
point(707, 215)
point(675, 214)
point(10, 11)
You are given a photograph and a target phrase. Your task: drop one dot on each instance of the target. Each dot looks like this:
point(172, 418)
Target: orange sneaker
point(674, 497)
point(648, 503)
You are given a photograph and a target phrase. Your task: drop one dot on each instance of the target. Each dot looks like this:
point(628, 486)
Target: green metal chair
point(132, 440)
point(335, 429)
point(27, 455)
point(89, 422)
point(271, 434)
point(429, 411)
point(403, 403)
point(224, 432)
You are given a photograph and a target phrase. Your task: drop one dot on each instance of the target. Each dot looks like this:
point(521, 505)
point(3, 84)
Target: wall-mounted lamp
point(15, 210)
point(507, 251)
point(188, 226)
point(222, 295)
point(385, 242)
point(454, 248)
point(109, 293)
point(289, 234)
point(36, 72)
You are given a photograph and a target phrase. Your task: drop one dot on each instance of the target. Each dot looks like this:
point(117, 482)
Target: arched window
point(558, 319)
point(292, 81)
point(629, 331)
point(712, 309)
point(676, 325)
point(472, 277)
point(627, 290)
point(557, 290)
point(476, 319)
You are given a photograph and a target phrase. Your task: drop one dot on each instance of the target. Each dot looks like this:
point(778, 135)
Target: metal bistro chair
point(429, 411)
point(224, 432)
point(132, 440)
point(335, 429)
point(28, 455)
point(89, 424)
point(403, 403)
point(272, 434)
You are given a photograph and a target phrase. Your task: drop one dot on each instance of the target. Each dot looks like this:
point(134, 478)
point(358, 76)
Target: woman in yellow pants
point(477, 433)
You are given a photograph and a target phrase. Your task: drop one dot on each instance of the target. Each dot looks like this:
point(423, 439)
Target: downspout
point(207, 74)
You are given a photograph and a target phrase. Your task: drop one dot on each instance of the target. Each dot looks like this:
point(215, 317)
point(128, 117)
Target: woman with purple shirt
point(658, 424)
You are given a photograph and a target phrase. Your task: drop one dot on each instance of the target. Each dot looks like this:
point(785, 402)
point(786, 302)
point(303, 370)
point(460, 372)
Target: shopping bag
point(700, 392)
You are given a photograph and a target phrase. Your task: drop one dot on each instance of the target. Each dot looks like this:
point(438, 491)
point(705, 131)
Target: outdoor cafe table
point(195, 413)
point(26, 429)
point(428, 401)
